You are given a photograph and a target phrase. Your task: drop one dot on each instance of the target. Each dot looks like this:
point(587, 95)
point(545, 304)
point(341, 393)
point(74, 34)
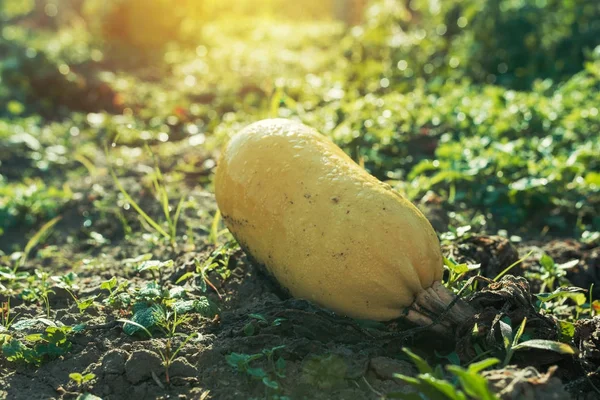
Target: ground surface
point(99, 143)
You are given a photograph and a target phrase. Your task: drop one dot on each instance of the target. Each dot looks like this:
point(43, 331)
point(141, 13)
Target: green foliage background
point(493, 105)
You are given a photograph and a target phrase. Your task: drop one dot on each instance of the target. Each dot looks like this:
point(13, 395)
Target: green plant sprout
point(169, 325)
point(511, 342)
point(217, 261)
point(6, 319)
point(20, 258)
point(276, 368)
point(163, 198)
point(82, 380)
point(432, 384)
point(38, 347)
point(551, 272)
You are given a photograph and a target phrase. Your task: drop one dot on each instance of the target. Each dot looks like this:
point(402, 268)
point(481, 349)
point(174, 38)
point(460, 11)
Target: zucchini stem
point(439, 309)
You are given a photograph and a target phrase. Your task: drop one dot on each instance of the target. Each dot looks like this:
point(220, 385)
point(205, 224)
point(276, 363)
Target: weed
point(6, 319)
point(82, 380)
point(434, 384)
point(163, 198)
point(39, 289)
point(34, 287)
point(168, 322)
point(38, 347)
point(457, 271)
point(551, 273)
point(250, 328)
point(511, 342)
point(217, 261)
point(270, 376)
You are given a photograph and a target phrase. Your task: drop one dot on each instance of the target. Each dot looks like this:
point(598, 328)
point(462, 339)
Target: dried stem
point(438, 308)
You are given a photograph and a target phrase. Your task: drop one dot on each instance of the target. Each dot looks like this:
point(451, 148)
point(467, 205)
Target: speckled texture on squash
point(324, 228)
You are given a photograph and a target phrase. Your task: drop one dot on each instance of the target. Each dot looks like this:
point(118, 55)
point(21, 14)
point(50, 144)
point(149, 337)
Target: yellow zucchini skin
point(323, 227)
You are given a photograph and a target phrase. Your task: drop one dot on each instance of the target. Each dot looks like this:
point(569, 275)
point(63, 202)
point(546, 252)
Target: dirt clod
point(140, 365)
point(587, 340)
point(385, 367)
point(508, 299)
point(182, 367)
point(494, 253)
point(113, 361)
point(512, 383)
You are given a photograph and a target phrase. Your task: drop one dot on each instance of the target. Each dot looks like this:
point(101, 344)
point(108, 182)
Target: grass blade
point(35, 239)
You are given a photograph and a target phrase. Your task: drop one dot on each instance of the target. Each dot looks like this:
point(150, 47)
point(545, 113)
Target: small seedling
point(457, 271)
point(269, 378)
point(511, 342)
point(250, 327)
point(38, 347)
point(13, 275)
point(6, 319)
point(169, 324)
point(551, 273)
point(163, 198)
point(82, 380)
point(433, 383)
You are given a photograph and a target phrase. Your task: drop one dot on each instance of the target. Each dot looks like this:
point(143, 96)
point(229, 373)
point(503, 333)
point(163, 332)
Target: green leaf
point(419, 362)
point(507, 334)
point(550, 345)
point(77, 377)
point(13, 349)
point(185, 277)
point(85, 304)
point(34, 337)
point(236, 359)
point(256, 372)
point(183, 306)
point(443, 386)
point(280, 367)
point(568, 264)
point(258, 317)
point(177, 292)
point(270, 383)
point(567, 330)
point(25, 324)
point(109, 284)
point(574, 293)
point(88, 377)
point(151, 291)
point(547, 262)
point(240, 360)
point(205, 307)
point(15, 107)
point(473, 384)
point(592, 178)
point(145, 316)
point(483, 364)
point(249, 329)
point(519, 332)
point(153, 265)
point(422, 387)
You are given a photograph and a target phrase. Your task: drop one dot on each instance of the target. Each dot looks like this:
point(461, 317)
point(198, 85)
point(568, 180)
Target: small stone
point(385, 367)
point(113, 361)
point(140, 365)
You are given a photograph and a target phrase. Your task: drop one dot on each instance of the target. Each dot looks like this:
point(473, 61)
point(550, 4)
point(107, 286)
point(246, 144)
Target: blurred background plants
point(493, 105)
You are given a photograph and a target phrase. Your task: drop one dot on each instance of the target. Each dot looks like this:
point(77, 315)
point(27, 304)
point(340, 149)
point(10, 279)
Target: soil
point(325, 356)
